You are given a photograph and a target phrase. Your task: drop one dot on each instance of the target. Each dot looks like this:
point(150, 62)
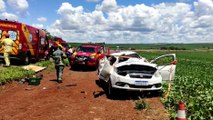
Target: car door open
point(166, 66)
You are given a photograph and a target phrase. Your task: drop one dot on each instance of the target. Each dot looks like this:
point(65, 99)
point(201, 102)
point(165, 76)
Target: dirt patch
point(77, 98)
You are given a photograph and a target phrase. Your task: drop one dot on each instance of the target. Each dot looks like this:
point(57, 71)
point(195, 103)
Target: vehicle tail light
point(20, 46)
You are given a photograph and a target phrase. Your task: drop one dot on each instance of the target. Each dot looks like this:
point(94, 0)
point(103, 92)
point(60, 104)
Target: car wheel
point(98, 72)
point(95, 67)
point(27, 60)
point(73, 67)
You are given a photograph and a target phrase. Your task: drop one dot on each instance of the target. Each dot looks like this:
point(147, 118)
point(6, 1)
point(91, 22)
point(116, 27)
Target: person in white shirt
point(69, 53)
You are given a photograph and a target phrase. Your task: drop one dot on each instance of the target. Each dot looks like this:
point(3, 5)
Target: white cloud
point(110, 22)
point(8, 16)
point(92, 0)
point(42, 19)
point(20, 6)
point(67, 8)
point(107, 6)
point(2, 5)
point(203, 7)
point(40, 26)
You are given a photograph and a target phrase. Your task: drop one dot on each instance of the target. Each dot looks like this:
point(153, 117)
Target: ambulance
point(30, 43)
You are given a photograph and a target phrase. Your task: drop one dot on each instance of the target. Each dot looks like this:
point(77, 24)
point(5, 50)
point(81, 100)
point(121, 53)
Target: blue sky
point(117, 21)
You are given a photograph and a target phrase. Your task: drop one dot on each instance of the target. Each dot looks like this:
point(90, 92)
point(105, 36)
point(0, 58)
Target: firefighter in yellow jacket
point(8, 44)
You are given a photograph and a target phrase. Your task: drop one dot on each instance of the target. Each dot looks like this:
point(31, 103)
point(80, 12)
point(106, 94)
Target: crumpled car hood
point(135, 61)
point(136, 68)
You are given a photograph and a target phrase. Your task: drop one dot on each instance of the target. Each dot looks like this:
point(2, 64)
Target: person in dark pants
point(59, 57)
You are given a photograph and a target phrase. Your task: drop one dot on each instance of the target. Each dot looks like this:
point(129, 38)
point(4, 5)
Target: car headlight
point(74, 54)
point(92, 57)
point(157, 74)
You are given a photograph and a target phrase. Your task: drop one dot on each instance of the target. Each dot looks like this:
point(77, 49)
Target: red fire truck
point(58, 40)
point(30, 43)
point(52, 46)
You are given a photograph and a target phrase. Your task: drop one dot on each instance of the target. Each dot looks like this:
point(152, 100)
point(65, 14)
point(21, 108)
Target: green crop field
point(164, 46)
point(193, 84)
point(203, 46)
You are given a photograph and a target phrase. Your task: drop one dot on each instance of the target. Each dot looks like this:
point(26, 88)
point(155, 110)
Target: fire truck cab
point(88, 55)
point(30, 43)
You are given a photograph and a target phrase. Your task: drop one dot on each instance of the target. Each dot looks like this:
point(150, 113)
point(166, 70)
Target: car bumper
point(85, 63)
point(136, 84)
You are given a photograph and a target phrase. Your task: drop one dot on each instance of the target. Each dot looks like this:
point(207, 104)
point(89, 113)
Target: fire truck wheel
point(27, 60)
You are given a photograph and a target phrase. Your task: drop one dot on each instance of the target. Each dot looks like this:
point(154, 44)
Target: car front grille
point(81, 58)
point(122, 84)
point(140, 75)
point(143, 86)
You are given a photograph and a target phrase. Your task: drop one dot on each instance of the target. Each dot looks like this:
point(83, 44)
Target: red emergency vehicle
point(53, 44)
point(57, 41)
point(30, 43)
point(88, 55)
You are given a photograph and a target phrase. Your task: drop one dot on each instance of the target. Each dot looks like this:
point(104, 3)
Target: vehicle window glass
point(50, 44)
point(112, 60)
point(102, 50)
point(134, 55)
point(164, 60)
point(122, 59)
point(65, 45)
point(0, 33)
point(42, 41)
point(31, 37)
point(13, 35)
point(85, 49)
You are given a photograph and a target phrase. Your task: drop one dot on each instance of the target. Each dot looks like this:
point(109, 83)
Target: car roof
point(123, 53)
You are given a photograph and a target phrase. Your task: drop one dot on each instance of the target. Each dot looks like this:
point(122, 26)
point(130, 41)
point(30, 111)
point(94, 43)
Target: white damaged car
point(129, 71)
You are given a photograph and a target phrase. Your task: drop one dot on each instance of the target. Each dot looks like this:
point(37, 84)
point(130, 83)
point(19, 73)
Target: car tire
point(98, 72)
point(27, 59)
point(72, 67)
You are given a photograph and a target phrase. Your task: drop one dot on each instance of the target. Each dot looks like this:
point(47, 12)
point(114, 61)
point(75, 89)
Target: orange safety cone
point(181, 111)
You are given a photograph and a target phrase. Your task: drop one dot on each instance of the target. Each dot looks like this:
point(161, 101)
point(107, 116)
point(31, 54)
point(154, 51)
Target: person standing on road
point(59, 57)
point(8, 45)
point(69, 54)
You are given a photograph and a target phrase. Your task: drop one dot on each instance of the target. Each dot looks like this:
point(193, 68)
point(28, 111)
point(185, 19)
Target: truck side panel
point(28, 41)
